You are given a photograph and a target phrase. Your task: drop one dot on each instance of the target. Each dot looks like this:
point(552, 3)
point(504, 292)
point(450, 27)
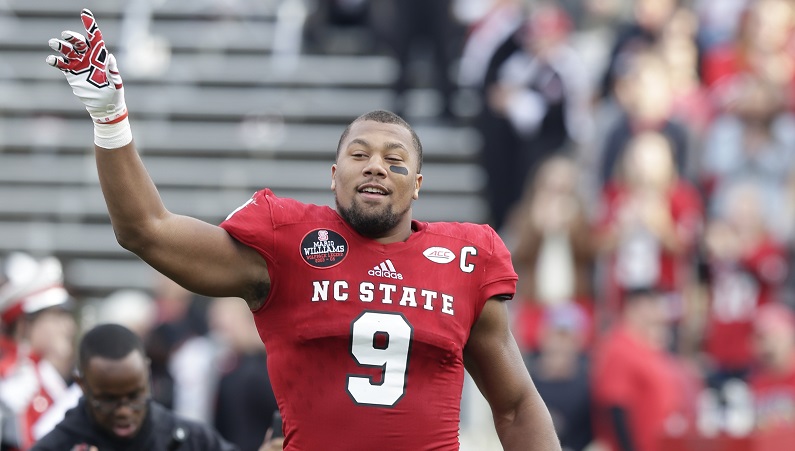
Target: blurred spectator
point(131, 308)
point(551, 243)
point(645, 104)
point(588, 13)
point(418, 25)
point(649, 18)
point(38, 358)
point(691, 105)
point(772, 380)
point(718, 20)
point(638, 387)
point(332, 25)
point(215, 374)
point(747, 269)
point(244, 400)
point(751, 141)
point(538, 106)
point(192, 366)
point(595, 25)
point(788, 213)
point(649, 224)
point(485, 37)
point(179, 317)
point(500, 143)
point(762, 48)
point(560, 372)
point(542, 89)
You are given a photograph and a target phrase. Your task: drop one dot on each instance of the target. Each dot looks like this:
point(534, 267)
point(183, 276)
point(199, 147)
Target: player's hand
point(91, 71)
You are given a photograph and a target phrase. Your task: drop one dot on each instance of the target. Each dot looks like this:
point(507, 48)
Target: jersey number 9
point(380, 340)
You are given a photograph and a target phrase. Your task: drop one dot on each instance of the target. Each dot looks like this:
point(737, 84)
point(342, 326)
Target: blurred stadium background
point(230, 96)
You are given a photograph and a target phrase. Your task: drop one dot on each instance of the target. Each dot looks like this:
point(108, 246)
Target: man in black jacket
point(115, 411)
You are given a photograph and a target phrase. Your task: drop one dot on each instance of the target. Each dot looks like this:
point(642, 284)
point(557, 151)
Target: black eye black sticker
point(399, 170)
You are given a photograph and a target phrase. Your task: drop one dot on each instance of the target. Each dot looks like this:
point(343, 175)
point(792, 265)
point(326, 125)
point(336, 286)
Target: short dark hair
point(109, 341)
point(385, 117)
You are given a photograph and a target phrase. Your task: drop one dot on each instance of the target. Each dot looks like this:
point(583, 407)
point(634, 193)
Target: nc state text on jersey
point(384, 293)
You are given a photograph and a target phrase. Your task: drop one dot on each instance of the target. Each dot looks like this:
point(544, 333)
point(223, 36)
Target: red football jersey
point(365, 341)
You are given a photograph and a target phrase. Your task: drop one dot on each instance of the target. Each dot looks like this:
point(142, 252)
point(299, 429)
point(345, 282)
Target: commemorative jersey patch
point(323, 248)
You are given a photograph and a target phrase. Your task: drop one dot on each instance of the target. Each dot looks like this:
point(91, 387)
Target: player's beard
point(370, 224)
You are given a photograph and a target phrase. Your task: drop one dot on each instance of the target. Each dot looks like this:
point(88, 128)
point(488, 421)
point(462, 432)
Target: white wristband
point(113, 136)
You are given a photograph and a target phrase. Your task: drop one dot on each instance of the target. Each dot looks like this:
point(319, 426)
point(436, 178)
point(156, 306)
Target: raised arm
point(199, 256)
point(493, 360)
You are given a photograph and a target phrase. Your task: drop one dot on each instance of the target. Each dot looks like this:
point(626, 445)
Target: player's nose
point(376, 165)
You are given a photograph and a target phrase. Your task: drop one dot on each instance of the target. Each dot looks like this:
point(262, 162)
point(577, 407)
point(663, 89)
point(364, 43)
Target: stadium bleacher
point(221, 117)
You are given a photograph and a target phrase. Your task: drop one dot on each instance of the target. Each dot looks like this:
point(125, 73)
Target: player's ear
point(333, 173)
point(417, 185)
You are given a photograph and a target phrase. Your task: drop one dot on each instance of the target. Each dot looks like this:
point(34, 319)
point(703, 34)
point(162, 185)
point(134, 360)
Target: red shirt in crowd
point(646, 382)
point(670, 270)
point(736, 290)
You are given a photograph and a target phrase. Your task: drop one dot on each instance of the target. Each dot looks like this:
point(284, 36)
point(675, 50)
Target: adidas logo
point(385, 269)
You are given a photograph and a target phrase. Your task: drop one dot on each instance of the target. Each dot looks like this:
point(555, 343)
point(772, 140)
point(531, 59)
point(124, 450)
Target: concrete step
point(224, 69)
point(221, 173)
point(254, 137)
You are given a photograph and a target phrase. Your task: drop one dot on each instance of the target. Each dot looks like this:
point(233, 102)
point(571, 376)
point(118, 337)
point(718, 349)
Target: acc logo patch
point(323, 248)
point(439, 254)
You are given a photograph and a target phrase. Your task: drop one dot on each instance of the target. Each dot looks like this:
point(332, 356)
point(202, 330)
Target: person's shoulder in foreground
point(115, 411)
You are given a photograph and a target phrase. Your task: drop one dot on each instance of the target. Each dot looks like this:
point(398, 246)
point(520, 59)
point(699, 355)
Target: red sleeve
point(252, 223)
point(500, 277)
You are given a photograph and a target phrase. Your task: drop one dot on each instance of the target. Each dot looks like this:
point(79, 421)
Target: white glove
point(91, 71)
